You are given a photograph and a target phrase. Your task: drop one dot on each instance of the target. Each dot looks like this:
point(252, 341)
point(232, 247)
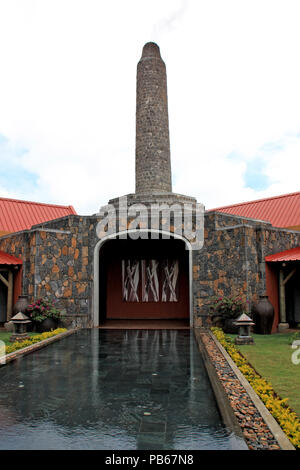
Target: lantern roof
point(244, 320)
point(20, 317)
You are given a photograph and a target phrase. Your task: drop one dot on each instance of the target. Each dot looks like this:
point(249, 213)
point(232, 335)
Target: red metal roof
point(280, 211)
point(9, 259)
point(18, 215)
point(289, 255)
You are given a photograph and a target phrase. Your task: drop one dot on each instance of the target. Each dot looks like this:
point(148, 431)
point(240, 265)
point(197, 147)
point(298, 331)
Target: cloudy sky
point(67, 97)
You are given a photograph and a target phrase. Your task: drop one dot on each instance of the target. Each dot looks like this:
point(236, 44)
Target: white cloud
point(67, 93)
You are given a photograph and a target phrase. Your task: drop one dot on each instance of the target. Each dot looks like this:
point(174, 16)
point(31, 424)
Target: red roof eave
point(287, 255)
point(5, 258)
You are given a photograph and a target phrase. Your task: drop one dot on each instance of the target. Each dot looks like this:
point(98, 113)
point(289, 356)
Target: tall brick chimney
point(152, 155)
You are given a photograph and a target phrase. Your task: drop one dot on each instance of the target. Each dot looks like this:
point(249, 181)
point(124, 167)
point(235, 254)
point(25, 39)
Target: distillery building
point(154, 255)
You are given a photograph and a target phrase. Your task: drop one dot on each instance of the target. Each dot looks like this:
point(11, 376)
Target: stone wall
point(58, 260)
point(221, 268)
point(232, 260)
point(64, 266)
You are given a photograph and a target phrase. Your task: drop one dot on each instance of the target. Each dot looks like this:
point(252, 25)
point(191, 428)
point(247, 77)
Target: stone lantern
point(20, 321)
point(244, 323)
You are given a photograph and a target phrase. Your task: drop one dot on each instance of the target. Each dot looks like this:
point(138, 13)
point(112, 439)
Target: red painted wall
point(17, 284)
point(119, 309)
point(273, 291)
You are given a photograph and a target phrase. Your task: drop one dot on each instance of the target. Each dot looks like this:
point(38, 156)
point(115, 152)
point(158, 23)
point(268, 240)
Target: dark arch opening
point(144, 279)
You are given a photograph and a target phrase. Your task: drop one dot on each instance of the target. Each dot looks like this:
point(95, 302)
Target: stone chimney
point(152, 154)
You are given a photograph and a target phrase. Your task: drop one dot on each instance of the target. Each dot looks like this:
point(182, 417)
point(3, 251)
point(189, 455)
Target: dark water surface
point(112, 389)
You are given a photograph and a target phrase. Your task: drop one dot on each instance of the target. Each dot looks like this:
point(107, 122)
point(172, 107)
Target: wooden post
point(288, 277)
point(10, 289)
point(2, 278)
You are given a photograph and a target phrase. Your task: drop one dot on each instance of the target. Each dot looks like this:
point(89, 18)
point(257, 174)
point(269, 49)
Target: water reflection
point(111, 389)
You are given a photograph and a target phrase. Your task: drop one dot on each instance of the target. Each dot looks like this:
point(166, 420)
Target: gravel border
point(260, 430)
point(34, 347)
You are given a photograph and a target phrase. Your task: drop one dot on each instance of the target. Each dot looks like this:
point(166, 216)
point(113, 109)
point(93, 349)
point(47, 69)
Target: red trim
point(17, 284)
point(5, 258)
point(287, 255)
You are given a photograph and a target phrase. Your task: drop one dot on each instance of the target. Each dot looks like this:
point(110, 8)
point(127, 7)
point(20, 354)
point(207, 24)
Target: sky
point(68, 96)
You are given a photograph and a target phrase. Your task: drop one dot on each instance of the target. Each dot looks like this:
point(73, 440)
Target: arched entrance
point(142, 278)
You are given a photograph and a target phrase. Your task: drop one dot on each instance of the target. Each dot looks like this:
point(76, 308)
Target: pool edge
point(36, 346)
point(222, 399)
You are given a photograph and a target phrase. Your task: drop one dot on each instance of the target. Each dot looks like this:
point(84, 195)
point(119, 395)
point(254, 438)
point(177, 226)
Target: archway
point(142, 278)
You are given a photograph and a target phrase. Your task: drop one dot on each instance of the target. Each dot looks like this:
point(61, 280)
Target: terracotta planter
point(263, 316)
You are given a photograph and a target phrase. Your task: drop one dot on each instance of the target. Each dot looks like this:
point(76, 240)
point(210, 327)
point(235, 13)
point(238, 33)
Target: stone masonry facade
point(58, 261)
point(232, 261)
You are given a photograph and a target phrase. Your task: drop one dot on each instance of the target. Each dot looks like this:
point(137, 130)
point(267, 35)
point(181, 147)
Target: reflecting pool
point(112, 390)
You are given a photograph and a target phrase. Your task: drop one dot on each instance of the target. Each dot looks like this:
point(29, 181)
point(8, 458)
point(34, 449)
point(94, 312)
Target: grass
point(271, 357)
point(5, 335)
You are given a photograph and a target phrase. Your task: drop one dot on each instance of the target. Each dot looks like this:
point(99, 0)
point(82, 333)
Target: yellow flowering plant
point(33, 339)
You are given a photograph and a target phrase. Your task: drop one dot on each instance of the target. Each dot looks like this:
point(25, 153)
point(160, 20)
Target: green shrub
point(294, 337)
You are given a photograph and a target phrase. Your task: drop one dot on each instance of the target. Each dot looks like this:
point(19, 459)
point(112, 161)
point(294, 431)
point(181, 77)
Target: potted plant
point(44, 315)
point(225, 310)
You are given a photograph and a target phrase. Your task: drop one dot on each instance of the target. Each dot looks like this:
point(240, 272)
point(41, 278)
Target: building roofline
point(218, 209)
point(21, 201)
point(235, 216)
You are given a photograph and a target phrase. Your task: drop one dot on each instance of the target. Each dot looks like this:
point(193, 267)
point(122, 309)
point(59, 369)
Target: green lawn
point(271, 357)
point(5, 335)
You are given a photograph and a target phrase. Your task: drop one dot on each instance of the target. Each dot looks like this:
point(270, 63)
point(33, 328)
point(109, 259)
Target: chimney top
point(150, 50)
